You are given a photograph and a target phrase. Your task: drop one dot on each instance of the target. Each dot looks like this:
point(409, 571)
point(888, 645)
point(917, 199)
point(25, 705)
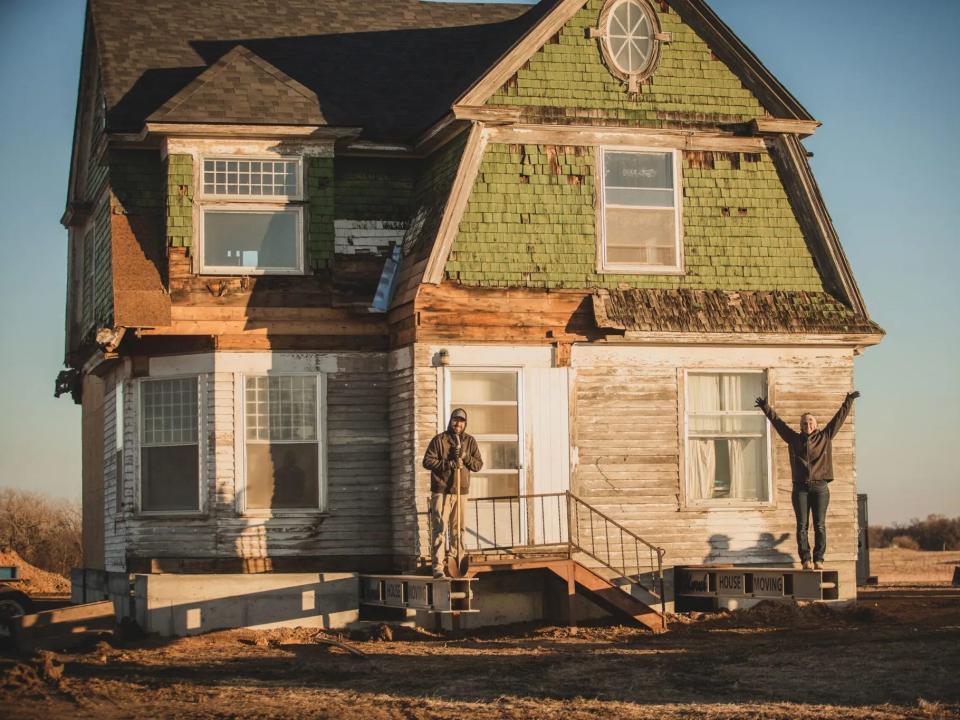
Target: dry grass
point(897, 566)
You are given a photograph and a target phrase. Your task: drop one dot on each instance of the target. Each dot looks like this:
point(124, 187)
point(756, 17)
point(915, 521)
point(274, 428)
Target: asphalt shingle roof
point(392, 67)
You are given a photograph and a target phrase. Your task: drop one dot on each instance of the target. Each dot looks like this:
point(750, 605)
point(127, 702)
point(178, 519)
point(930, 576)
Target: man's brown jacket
point(440, 460)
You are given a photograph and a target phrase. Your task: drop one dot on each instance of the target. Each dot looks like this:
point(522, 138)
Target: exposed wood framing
point(206, 130)
point(648, 137)
point(538, 317)
point(803, 128)
point(456, 204)
point(487, 114)
point(790, 158)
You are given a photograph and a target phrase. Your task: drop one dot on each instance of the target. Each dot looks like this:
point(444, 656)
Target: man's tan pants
point(443, 514)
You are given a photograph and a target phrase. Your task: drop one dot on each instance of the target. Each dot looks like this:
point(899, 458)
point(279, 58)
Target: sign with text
point(731, 583)
point(768, 584)
point(418, 594)
point(393, 592)
point(696, 581)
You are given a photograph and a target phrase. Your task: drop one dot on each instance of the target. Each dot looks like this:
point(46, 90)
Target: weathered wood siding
point(628, 437)
point(404, 459)
point(357, 520)
point(92, 472)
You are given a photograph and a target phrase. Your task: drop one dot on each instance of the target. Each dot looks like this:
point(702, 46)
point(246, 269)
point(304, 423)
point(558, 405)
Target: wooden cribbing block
point(64, 627)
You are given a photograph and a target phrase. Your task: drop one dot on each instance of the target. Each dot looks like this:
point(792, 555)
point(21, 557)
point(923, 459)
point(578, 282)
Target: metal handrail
point(522, 509)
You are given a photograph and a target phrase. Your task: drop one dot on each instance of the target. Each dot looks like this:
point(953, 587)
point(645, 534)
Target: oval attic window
point(630, 44)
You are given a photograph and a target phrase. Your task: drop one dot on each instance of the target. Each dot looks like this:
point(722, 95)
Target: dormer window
point(251, 216)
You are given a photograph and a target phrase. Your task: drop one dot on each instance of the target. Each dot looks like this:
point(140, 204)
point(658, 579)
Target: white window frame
point(725, 503)
point(201, 446)
point(443, 418)
point(603, 265)
point(119, 420)
point(241, 445)
point(252, 204)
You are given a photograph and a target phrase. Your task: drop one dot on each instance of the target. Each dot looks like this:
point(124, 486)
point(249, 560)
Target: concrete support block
point(118, 591)
point(192, 604)
point(87, 585)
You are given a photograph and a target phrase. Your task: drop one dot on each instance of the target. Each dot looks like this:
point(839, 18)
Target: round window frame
point(651, 64)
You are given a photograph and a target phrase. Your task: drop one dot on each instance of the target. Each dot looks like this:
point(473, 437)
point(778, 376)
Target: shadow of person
point(763, 552)
point(290, 486)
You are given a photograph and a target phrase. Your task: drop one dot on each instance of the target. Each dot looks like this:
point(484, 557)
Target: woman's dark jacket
point(811, 456)
point(441, 460)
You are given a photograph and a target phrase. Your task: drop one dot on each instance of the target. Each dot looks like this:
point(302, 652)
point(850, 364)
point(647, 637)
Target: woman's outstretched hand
point(761, 402)
point(854, 395)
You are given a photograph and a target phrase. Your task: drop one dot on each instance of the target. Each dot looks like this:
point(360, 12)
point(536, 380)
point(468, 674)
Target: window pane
point(643, 237)
point(499, 455)
point(251, 177)
point(282, 407)
point(640, 197)
point(506, 485)
point(282, 475)
point(726, 452)
point(471, 387)
point(727, 424)
point(250, 239)
point(169, 478)
point(169, 411)
point(638, 170)
point(491, 419)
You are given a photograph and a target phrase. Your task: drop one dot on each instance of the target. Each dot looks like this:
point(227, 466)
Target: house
point(301, 232)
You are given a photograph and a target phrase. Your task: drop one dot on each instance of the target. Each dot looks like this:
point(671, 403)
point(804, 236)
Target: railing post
point(569, 529)
point(663, 589)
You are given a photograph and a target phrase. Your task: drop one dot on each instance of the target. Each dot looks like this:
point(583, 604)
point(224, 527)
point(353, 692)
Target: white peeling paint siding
point(354, 237)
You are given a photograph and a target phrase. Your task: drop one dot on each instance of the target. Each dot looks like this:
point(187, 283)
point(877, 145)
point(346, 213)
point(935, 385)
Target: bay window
point(169, 446)
point(727, 439)
point(284, 468)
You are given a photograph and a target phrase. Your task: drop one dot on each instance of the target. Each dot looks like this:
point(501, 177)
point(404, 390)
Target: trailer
point(13, 601)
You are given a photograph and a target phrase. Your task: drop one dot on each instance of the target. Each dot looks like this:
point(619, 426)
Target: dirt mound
point(33, 580)
point(783, 614)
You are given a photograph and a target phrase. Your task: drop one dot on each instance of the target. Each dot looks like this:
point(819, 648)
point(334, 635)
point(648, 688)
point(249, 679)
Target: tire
point(14, 603)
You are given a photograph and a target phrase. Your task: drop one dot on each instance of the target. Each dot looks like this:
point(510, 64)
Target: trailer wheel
point(12, 604)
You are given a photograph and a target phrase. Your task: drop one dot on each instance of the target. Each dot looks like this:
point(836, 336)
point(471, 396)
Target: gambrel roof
point(392, 67)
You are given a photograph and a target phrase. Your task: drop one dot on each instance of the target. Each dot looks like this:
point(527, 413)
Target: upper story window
point(252, 216)
point(631, 36)
point(641, 220)
point(727, 439)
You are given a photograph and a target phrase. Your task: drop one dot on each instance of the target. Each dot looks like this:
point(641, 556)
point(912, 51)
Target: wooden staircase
point(560, 529)
point(580, 580)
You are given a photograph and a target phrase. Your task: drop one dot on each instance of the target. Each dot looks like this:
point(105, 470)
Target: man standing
point(449, 453)
point(811, 464)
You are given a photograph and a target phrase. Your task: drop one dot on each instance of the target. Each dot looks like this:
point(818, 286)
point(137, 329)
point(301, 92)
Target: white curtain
point(703, 395)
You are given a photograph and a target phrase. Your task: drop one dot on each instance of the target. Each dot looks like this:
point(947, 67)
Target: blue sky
point(887, 159)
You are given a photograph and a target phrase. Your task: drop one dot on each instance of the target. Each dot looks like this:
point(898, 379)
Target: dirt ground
point(894, 655)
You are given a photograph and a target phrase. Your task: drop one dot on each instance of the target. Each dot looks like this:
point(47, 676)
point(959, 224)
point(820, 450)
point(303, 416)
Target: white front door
point(548, 409)
point(492, 400)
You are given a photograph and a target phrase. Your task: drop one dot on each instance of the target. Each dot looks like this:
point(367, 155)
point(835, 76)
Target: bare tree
point(43, 530)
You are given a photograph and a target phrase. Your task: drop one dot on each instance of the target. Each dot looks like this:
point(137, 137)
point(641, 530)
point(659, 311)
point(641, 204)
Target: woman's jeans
point(811, 498)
